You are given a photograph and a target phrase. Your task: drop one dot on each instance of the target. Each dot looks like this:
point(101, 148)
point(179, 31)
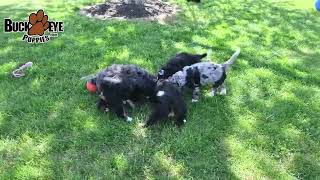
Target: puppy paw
point(212, 93)
point(129, 119)
point(106, 110)
point(223, 92)
point(181, 123)
point(131, 103)
point(171, 114)
point(194, 100)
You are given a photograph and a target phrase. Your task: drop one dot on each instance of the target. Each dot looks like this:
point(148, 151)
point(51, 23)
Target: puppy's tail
point(200, 56)
point(232, 59)
point(203, 55)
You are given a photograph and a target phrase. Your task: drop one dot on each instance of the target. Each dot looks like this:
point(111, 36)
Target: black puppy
point(176, 63)
point(122, 84)
point(168, 102)
point(121, 70)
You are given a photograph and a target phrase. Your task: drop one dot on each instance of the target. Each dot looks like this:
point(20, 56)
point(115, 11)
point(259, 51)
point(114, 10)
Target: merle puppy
point(204, 73)
point(168, 103)
point(121, 84)
point(178, 62)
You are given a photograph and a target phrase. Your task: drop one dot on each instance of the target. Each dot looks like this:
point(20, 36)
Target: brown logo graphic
point(39, 23)
point(37, 30)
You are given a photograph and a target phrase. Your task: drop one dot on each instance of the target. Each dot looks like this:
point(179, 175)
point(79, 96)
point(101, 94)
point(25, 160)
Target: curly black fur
point(118, 83)
point(121, 70)
point(168, 100)
point(178, 62)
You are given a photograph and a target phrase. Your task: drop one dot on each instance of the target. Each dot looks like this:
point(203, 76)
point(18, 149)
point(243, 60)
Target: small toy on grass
point(91, 87)
point(20, 71)
point(90, 83)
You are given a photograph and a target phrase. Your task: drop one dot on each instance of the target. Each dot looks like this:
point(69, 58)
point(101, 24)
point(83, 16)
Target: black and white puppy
point(168, 103)
point(120, 84)
point(204, 73)
point(176, 63)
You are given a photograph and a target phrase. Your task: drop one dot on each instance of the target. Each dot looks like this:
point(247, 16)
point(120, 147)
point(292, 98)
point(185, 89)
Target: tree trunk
point(134, 1)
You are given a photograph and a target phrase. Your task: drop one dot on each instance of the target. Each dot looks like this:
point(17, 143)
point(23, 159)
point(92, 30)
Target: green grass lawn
point(268, 126)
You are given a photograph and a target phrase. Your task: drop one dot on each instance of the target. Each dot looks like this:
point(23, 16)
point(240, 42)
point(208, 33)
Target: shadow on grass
point(67, 138)
point(281, 44)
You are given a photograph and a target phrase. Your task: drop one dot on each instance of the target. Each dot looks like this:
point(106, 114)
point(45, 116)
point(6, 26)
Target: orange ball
point(92, 88)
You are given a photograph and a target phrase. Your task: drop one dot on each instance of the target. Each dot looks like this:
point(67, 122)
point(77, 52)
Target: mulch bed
point(118, 9)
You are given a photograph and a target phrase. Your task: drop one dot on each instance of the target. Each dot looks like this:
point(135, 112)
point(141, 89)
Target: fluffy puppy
point(121, 84)
point(178, 62)
point(204, 73)
point(121, 70)
point(168, 103)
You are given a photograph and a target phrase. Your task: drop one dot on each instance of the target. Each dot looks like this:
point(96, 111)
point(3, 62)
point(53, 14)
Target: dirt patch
point(119, 9)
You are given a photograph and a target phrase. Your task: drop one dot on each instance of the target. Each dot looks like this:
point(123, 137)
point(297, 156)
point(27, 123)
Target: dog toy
point(317, 5)
point(91, 87)
point(20, 71)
